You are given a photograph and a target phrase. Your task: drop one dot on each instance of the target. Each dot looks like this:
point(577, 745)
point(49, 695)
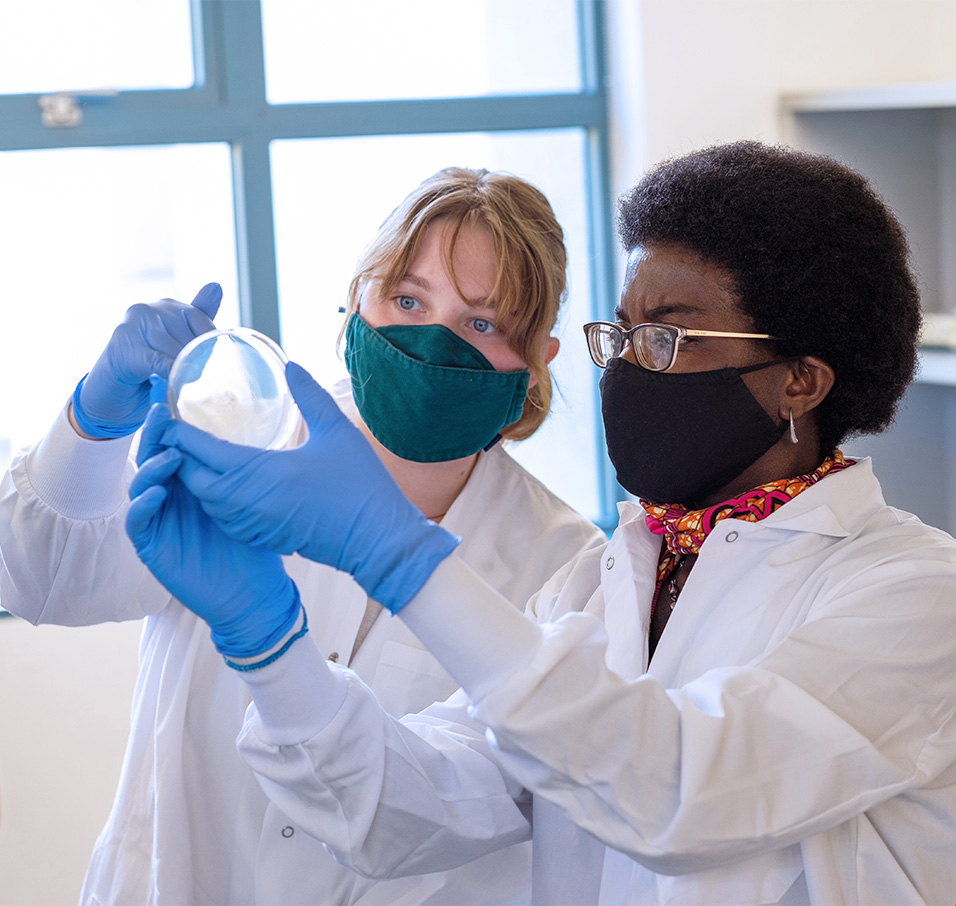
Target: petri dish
point(232, 384)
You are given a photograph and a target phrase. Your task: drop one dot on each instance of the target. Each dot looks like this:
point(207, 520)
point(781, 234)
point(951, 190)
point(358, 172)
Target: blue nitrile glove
point(331, 499)
point(113, 399)
point(241, 591)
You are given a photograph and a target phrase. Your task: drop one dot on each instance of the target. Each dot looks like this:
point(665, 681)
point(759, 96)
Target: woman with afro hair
point(747, 695)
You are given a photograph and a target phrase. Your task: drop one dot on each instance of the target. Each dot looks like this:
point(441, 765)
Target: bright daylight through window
point(261, 148)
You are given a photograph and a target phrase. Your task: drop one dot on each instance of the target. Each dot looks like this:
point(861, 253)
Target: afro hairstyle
point(816, 257)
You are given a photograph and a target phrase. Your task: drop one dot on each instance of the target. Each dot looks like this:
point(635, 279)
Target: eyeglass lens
point(653, 344)
point(605, 341)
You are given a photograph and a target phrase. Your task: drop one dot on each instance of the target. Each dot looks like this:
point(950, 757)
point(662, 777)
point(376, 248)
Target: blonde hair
point(530, 256)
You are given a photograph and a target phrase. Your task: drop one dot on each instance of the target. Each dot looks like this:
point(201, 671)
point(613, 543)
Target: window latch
point(63, 109)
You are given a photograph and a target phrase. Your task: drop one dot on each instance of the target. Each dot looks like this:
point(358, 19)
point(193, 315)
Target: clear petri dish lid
point(232, 384)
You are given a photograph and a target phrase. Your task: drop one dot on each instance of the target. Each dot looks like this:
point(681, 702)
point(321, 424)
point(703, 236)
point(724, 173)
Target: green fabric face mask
point(426, 394)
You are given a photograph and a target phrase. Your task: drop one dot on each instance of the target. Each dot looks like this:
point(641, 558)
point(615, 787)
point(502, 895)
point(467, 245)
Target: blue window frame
point(228, 106)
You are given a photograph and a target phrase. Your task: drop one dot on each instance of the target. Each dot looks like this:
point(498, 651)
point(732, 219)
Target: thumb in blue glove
point(330, 499)
point(242, 592)
point(113, 399)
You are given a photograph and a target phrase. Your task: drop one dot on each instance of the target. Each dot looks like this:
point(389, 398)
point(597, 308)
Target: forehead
point(466, 240)
point(663, 280)
point(468, 248)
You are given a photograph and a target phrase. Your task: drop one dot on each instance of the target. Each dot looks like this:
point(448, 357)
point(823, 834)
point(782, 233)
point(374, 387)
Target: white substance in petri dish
point(232, 384)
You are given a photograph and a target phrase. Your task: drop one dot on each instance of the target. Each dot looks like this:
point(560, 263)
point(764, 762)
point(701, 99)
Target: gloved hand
point(113, 399)
point(242, 592)
point(331, 499)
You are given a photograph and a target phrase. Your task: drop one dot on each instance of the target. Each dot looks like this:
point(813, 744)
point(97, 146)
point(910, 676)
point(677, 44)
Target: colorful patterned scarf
point(685, 530)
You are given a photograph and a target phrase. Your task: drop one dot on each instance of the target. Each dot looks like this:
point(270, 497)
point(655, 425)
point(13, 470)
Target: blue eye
point(407, 302)
point(483, 326)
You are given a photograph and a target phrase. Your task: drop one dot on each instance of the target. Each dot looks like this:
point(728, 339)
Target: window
point(50, 45)
point(91, 231)
point(380, 49)
point(261, 149)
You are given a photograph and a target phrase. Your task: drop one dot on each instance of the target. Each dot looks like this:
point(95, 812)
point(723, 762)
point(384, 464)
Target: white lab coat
point(793, 741)
point(189, 823)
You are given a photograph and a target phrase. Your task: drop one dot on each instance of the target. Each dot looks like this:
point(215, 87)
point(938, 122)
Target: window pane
point(65, 45)
point(380, 49)
point(86, 233)
point(330, 197)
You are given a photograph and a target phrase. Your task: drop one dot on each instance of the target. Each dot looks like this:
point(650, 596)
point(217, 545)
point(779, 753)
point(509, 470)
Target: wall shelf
point(903, 138)
point(913, 96)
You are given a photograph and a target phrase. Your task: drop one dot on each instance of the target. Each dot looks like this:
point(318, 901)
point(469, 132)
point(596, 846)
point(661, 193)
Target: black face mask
point(677, 438)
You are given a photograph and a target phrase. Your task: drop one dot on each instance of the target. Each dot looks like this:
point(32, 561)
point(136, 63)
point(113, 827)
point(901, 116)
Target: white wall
point(64, 717)
point(689, 73)
point(685, 73)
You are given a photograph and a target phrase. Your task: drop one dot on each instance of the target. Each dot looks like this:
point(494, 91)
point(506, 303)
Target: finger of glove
point(151, 441)
point(146, 343)
point(166, 320)
point(141, 516)
point(157, 389)
point(230, 501)
point(204, 483)
point(156, 470)
point(207, 299)
point(168, 326)
point(315, 404)
point(219, 455)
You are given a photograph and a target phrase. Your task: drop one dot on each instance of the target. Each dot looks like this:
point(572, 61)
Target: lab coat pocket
point(409, 679)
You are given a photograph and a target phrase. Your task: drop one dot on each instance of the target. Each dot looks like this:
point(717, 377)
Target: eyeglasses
point(655, 345)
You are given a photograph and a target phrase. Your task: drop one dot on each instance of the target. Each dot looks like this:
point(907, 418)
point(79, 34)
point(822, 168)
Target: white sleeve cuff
point(478, 636)
point(296, 696)
point(77, 477)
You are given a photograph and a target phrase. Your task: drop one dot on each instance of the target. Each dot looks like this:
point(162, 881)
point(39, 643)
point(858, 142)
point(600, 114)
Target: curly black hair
point(818, 261)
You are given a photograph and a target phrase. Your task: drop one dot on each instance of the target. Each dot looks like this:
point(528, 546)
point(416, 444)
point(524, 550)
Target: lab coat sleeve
point(64, 554)
point(741, 760)
point(387, 798)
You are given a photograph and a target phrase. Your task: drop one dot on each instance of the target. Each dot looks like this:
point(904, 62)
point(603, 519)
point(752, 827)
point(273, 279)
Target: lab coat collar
point(465, 509)
point(837, 505)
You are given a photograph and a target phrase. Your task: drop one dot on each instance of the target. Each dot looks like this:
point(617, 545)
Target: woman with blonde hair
point(448, 339)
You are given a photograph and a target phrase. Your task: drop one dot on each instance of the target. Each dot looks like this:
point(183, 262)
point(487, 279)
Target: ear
point(554, 344)
point(551, 350)
point(810, 380)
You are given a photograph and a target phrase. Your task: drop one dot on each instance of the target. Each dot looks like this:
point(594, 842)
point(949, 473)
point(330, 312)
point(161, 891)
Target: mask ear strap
point(762, 365)
point(494, 440)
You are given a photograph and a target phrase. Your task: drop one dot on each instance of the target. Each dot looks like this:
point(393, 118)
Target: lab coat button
point(731, 537)
point(334, 657)
point(609, 562)
point(288, 831)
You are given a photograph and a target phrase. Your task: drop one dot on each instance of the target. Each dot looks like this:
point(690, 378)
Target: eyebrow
point(661, 311)
point(413, 278)
point(422, 283)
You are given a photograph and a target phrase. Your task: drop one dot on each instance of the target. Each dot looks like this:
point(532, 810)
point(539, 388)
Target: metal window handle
point(63, 108)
